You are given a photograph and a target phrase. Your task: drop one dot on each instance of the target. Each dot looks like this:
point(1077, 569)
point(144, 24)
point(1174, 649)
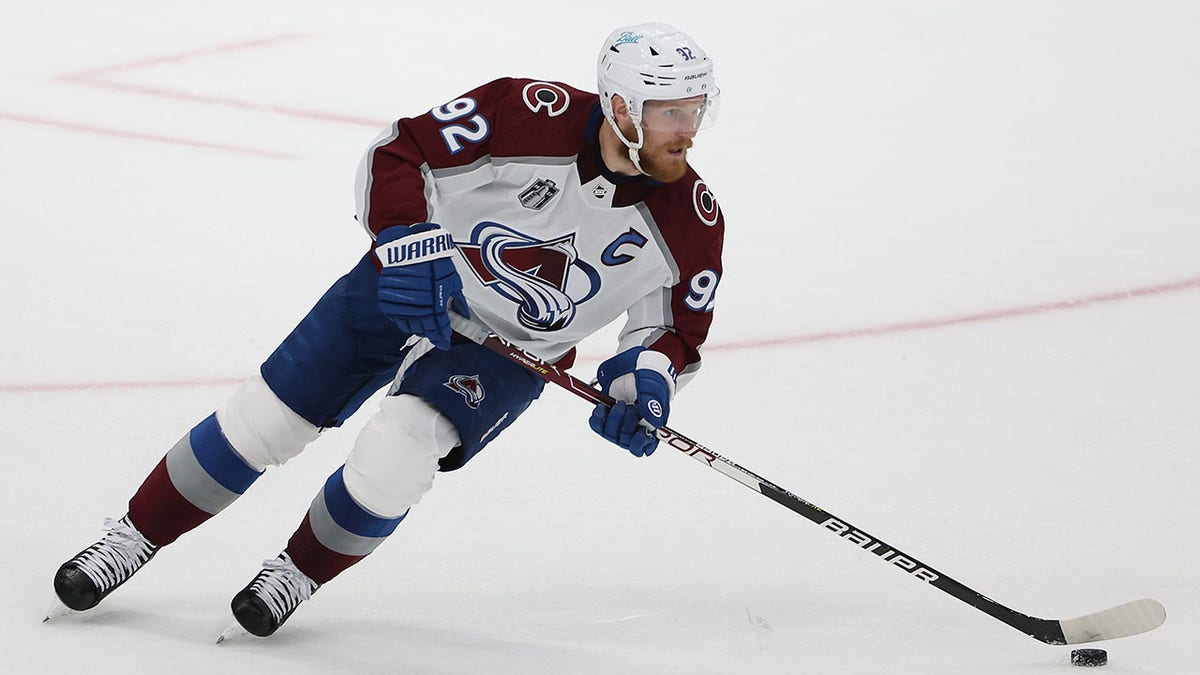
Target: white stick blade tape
point(1131, 618)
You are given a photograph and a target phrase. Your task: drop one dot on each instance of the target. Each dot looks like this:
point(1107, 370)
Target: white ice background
point(961, 310)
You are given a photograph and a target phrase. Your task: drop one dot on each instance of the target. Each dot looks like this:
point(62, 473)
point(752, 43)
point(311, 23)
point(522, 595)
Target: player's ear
point(620, 109)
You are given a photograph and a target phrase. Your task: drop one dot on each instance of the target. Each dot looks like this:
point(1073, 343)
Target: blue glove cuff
point(401, 246)
point(633, 360)
point(641, 376)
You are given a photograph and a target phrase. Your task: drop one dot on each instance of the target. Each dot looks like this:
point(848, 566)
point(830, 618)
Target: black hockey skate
point(271, 597)
point(83, 581)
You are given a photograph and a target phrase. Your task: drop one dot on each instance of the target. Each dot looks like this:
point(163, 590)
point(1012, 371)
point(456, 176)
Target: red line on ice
point(98, 77)
point(784, 341)
point(229, 102)
point(140, 136)
point(225, 48)
point(993, 315)
point(132, 384)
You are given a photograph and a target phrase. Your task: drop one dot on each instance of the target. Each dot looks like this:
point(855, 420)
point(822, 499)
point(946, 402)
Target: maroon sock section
point(312, 557)
point(160, 512)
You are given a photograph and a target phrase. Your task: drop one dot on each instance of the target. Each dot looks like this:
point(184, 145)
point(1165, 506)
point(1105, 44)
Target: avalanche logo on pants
point(469, 387)
point(545, 278)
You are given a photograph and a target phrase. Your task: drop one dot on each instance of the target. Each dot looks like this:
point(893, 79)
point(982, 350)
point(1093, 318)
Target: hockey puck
point(1089, 657)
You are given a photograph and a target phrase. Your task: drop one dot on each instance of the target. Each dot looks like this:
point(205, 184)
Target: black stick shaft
point(1045, 630)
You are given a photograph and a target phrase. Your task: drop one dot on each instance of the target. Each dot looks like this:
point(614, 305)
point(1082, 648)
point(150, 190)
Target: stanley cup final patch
point(469, 387)
point(538, 194)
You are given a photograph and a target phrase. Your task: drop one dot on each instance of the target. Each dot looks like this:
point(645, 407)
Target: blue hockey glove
point(418, 282)
point(644, 379)
point(622, 425)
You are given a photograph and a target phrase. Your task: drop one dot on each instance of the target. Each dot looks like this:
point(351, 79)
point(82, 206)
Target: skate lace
point(119, 554)
point(282, 586)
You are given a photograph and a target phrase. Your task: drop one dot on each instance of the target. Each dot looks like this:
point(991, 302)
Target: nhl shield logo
point(539, 194)
point(469, 387)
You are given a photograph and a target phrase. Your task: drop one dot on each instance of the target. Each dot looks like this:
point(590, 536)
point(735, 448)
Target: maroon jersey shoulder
point(538, 118)
point(691, 222)
point(692, 226)
point(507, 117)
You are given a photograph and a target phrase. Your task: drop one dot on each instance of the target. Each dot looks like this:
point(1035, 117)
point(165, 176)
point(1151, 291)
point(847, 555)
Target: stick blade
point(1131, 618)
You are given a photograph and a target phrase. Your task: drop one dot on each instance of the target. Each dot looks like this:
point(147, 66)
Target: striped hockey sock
point(336, 532)
point(195, 480)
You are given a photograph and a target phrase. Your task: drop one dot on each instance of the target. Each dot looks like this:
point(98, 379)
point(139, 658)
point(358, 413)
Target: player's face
point(668, 128)
point(664, 154)
point(677, 115)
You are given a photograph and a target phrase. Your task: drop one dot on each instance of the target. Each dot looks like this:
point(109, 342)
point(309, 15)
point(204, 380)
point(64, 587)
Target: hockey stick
point(1131, 618)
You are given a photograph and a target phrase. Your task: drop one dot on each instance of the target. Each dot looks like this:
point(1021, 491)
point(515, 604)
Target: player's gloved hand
point(418, 282)
point(622, 425)
point(644, 381)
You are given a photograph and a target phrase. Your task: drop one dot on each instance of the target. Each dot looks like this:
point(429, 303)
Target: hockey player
point(531, 209)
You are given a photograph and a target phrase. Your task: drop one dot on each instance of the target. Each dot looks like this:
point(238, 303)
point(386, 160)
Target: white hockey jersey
point(551, 245)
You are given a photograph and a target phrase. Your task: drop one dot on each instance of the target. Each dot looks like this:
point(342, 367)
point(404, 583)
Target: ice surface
point(961, 310)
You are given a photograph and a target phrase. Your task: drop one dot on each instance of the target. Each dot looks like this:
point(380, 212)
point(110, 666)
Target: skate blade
point(234, 630)
point(58, 610)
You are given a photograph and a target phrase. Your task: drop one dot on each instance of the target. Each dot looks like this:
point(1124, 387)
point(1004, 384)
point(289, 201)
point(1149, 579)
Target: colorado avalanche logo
point(469, 387)
point(546, 96)
point(705, 203)
point(546, 279)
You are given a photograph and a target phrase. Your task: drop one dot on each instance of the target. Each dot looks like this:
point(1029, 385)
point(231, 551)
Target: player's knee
point(261, 428)
point(395, 458)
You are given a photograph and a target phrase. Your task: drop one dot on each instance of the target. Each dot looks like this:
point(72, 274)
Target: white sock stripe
point(260, 428)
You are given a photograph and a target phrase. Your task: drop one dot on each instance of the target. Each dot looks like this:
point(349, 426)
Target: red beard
point(662, 165)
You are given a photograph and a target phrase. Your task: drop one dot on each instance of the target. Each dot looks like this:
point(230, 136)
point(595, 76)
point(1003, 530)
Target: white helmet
point(653, 62)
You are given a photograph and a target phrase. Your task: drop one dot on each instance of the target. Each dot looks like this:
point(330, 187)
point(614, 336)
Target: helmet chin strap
point(634, 148)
